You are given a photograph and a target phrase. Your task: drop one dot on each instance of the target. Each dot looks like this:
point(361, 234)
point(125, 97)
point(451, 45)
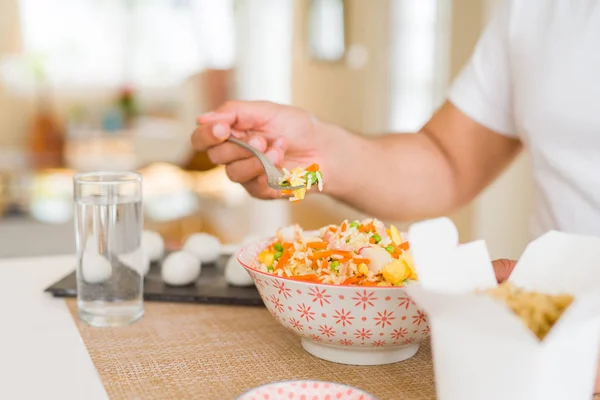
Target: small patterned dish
point(306, 390)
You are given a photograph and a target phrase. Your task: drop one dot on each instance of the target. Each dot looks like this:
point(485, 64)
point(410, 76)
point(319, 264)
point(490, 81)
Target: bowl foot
point(360, 355)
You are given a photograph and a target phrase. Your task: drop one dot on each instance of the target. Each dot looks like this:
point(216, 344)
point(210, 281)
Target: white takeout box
point(481, 349)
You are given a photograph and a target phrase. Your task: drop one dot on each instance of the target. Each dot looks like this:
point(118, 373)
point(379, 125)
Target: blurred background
point(116, 84)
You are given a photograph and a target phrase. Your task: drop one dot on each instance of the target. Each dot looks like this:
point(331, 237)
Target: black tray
point(211, 288)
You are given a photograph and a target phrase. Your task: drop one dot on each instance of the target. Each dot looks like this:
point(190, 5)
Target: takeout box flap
point(443, 264)
point(584, 310)
point(481, 348)
point(559, 263)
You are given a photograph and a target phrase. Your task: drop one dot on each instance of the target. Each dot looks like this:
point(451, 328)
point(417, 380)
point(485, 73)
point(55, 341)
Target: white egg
point(180, 269)
point(204, 246)
point(137, 260)
point(236, 274)
point(232, 249)
point(95, 268)
point(153, 245)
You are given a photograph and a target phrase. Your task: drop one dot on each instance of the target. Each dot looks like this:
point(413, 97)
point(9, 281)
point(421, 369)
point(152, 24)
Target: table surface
point(175, 351)
point(40, 346)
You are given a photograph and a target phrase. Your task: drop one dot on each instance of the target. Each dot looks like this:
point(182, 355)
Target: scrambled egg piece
point(396, 272)
point(363, 269)
point(266, 258)
point(409, 261)
point(395, 235)
point(299, 193)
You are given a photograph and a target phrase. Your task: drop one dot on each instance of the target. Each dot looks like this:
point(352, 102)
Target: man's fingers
point(243, 171)
point(214, 116)
point(227, 153)
point(258, 188)
point(242, 115)
point(208, 135)
point(503, 268)
point(275, 154)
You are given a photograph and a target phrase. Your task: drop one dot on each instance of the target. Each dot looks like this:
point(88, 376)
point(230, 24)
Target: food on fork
point(538, 311)
point(353, 253)
point(305, 177)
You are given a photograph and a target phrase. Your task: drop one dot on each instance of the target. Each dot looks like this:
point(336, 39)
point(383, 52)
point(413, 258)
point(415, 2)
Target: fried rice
point(352, 253)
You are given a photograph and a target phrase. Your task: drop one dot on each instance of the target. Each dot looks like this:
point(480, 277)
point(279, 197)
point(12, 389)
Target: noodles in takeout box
point(535, 337)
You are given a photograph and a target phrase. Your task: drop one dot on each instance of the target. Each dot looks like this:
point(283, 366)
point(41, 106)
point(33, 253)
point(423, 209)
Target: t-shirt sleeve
point(483, 89)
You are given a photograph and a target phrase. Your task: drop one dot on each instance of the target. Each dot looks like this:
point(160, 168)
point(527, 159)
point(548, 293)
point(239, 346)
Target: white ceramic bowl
point(309, 390)
point(342, 323)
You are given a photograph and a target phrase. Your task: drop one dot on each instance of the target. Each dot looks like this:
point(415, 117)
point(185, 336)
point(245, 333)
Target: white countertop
point(42, 355)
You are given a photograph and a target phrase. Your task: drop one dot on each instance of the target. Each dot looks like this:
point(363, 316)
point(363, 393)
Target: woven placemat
point(187, 351)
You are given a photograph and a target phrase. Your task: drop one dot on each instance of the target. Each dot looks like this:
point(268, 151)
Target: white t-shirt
point(535, 75)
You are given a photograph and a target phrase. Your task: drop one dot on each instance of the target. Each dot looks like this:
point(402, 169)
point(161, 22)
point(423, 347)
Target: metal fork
point(274, 175)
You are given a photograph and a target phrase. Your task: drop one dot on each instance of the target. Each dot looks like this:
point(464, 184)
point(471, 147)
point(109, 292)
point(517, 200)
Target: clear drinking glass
point(110, 259)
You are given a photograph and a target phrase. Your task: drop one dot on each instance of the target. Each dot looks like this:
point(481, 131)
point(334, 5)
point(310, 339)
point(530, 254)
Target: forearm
point(415, 176)
point(401, 177)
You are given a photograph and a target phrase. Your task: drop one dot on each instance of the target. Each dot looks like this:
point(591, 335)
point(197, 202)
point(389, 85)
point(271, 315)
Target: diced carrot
point(286, 245)
point(350, 280)
point(372, 241)
point(313, 168)
point(306, 278)
point(367, 283)
point(361, 260)
point(366, 228)
point(404, 246)
point(343, 227)
point(283, 259)
point(327, 253)
point(286, 192)
point(317, 245)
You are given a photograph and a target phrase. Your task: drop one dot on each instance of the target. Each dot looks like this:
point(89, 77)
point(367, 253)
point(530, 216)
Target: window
point(420, 32)
point(107, 43)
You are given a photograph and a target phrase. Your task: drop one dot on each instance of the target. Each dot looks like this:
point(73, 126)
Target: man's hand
point(290, 137)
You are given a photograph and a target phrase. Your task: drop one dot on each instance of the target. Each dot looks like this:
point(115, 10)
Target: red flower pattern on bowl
point(342, 323)
point(307, 390)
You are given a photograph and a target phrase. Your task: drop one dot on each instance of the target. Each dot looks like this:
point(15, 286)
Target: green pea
point(376, 238)
point(277, 255)
point(335, 265)
point(278, 246)
point(270, 269)
point(390, 248)
point(285, 183)
point(311, 178)
point(355, 224)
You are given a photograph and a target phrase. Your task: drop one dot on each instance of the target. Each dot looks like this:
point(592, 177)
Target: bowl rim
point(238, 256)
point(290, 381)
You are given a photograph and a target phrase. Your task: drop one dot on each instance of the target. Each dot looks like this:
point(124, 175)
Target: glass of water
point(110, 258)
